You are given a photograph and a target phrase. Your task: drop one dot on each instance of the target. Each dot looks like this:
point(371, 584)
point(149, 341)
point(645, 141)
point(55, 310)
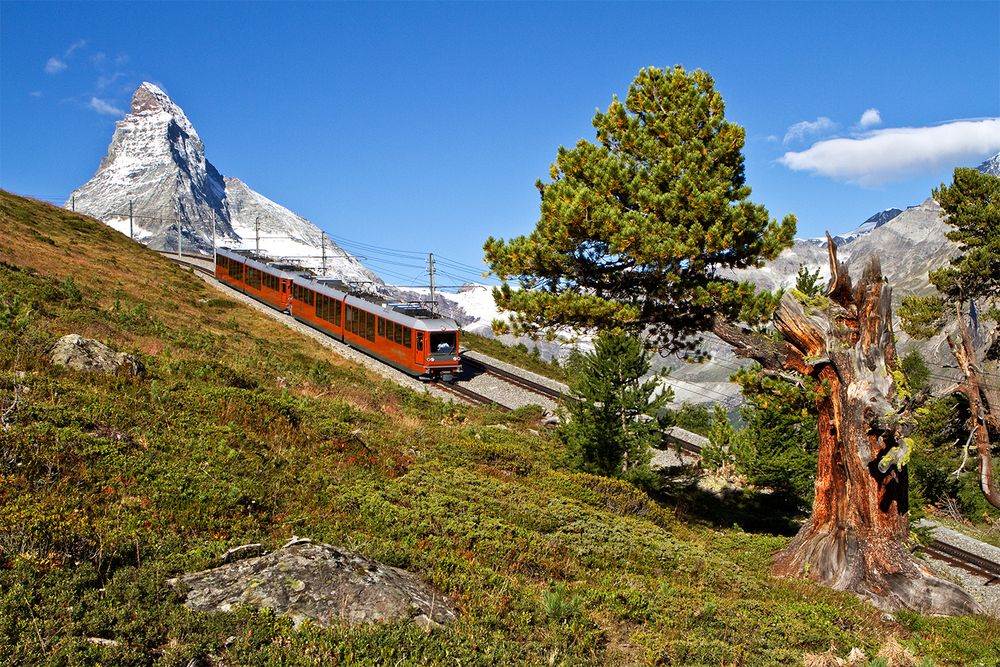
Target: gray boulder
point(319, 582)
point(83, 354)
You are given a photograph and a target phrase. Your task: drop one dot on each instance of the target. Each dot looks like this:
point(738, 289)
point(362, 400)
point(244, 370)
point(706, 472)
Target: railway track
point(188, 263)
point(469, 396)
point(970, 562)
point(512, 378)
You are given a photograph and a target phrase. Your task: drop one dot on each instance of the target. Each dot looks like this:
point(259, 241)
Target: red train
point(407, 337)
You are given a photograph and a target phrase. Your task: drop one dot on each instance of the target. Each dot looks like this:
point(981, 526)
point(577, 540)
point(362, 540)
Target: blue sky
point(423, 126)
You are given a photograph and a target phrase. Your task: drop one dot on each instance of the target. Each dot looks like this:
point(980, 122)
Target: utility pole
point(130, 234)
point(430, 261)
point(323, 243)
point(215, 257)
point(74, 203)
point(179, 255)
point(256, 226)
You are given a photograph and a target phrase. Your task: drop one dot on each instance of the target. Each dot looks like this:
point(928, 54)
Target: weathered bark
point(854, 539)
point(980, 408)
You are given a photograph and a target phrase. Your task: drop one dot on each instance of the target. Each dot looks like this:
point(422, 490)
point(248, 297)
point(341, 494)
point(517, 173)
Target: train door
point(419, 349)
point(286, 293)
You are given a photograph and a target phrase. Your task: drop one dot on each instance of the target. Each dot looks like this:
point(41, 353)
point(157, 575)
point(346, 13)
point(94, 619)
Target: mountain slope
point(243, 431)
point(869, 225)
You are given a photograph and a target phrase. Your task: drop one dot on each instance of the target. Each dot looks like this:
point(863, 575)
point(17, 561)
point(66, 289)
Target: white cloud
point(54, 65)
point(891, 154)
point(100, 106)
point(78, 44)
point(808, 128)
point(105, 81)
point(35, 93)
point(870, 118)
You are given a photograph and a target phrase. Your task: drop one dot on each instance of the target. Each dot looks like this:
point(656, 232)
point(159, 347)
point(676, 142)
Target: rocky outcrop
point(84, 354)
point(322, 583)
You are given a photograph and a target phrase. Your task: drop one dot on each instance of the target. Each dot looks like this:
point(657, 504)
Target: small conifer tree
point(612, 414)
point(808, 282)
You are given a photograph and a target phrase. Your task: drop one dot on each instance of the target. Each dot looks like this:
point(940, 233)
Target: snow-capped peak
point(991, 166)
point(156, 162)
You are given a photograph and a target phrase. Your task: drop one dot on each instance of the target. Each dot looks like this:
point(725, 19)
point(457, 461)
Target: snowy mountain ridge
point(991, 166)
point(156, 161)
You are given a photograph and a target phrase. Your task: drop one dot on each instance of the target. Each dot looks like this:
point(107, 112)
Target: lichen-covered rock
point(319, 582)
point(83, 354)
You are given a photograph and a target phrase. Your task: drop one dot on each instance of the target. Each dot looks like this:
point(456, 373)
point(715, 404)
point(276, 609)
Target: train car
point(406, 337)
point(410, 339)
point(318, 305)
point(229, 268)
point(255, 278)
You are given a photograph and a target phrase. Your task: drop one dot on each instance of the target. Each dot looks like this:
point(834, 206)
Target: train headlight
point(454, 358)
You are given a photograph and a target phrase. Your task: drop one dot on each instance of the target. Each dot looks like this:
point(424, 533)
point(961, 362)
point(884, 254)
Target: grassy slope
point(245, 431)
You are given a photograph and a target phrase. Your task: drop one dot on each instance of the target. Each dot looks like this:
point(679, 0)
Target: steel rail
point(513, 378)
point(970, 562)
point(470, 396)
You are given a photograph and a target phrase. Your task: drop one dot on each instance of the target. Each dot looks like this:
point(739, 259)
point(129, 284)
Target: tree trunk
point(980, 407)
point(854, 539)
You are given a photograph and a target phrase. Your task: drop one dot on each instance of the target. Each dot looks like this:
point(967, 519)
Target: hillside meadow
point(244, 431)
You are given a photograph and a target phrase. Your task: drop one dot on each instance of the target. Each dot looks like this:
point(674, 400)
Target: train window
point(370, 329)
point(420, 340)
point(397, 333)
point(444, 342)
point(336, 317)
point(381, 327)
point(406, 336)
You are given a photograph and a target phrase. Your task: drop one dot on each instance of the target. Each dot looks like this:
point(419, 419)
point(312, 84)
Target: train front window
point(443, 342)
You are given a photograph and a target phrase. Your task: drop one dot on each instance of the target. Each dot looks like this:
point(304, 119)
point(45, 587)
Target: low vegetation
point(243, 431)
point(518, 355)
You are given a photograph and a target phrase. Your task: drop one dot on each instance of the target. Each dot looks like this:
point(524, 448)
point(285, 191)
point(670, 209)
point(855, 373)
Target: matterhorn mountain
point(157, 162)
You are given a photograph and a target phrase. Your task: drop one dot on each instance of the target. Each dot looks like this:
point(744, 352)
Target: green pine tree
point(637, 231)
point(612, 413)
